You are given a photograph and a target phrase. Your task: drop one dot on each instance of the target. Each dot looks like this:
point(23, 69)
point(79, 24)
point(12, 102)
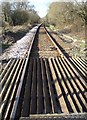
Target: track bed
point(48, 86)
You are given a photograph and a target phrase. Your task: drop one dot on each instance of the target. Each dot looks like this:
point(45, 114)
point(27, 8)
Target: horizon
point(41, 6)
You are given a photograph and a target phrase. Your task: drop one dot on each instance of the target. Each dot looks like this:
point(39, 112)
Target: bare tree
point(82, 10)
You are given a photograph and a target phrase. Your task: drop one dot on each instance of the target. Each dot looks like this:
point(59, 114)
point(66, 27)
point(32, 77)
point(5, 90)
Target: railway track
point(46, 84)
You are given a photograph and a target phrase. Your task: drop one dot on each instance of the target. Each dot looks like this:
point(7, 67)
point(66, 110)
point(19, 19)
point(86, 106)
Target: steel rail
point(64, 86)
point(7, 73)
point(75, 88)
point(76, 80)
point(82, 63)
point(53, 85)
point(47, 102)
point(59, 48)
point(79, 67)
point(5, 69)
point(14, 90)
point(62, 83)
point(58, 89)
point(8, 80)
point(22, 78)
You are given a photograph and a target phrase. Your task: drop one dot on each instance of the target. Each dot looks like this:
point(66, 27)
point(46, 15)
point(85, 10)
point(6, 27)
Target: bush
point(19, 17)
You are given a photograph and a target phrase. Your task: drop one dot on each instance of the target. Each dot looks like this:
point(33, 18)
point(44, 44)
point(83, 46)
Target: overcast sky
point(41, 6)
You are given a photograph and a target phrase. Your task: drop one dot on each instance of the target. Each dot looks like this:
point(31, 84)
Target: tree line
point(18, 13)
point(67, 13)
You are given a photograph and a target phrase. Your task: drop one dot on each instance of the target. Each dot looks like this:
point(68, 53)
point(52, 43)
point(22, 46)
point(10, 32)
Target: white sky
point(41, 6)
